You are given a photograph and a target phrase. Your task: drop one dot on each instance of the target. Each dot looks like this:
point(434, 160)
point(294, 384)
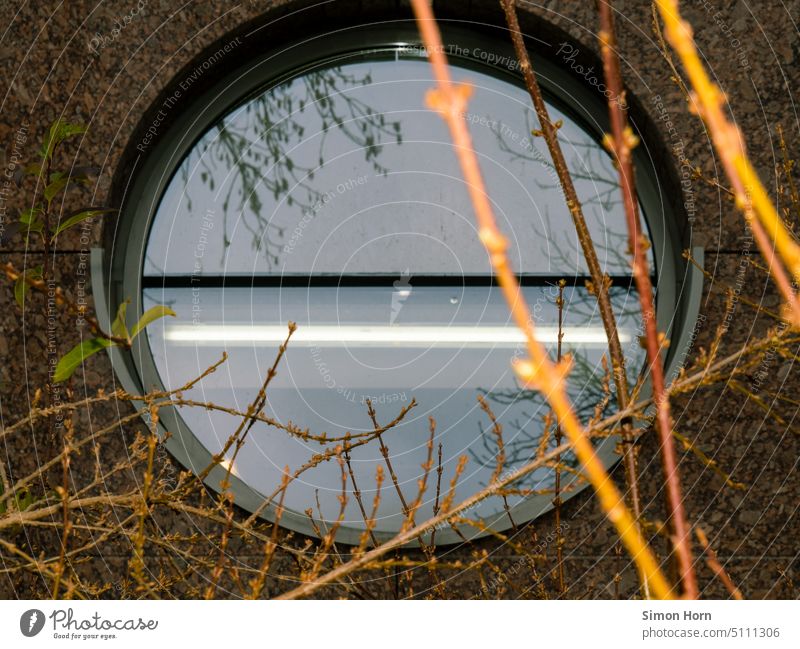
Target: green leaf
point(59, 131)
point(52, 190)
point(118, 327)
point(21, 287)
point(30, 220)
point(33, 169)
point(75, 357)
point(89, 213)
point(60, 180)
point(76, 176)
point(24, 499)
point(38, 226)
point(26, 217)
point(151, 315)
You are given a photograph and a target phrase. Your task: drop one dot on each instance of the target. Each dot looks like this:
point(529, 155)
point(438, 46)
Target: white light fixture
point(395, 335)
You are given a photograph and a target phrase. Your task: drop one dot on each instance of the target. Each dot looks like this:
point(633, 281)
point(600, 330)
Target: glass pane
point(442, 346)
point(335, 200)
point(345, 170)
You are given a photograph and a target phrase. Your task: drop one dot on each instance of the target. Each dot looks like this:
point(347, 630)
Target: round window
point(318, 188)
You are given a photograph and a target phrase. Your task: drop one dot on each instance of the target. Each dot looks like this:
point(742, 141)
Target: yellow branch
point(751, 196)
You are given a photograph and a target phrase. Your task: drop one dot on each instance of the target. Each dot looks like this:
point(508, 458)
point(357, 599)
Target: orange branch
point(537, 371)
point(620, 144)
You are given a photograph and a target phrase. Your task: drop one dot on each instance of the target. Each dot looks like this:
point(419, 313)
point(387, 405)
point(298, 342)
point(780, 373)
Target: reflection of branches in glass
point(624, 301)
point(251, 149)
point(590, 162)
point(560, 246)
point(522, 440)
point(524, 429)
point(588, 386)
point(591, 165)
point(583, 308)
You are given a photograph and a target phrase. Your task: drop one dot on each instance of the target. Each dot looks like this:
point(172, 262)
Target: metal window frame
point(117, 273)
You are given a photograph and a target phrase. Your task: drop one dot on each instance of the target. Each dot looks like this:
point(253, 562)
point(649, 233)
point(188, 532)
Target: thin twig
point(256, 406)
point(357, 492)
point(500, 460)
point(620, 144)
point(537, 371)
point(405, 537)
point(600, 282)
point(61, 299)
point(562, 588)
point(716, 566)
point(385, 453)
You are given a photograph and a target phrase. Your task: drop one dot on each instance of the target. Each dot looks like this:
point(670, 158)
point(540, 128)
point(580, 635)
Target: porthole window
point(314, 185)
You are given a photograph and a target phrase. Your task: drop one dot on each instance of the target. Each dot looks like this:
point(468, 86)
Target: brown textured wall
point(48, 70)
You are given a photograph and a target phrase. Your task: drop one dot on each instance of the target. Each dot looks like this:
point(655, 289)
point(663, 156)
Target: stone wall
point(107, 65)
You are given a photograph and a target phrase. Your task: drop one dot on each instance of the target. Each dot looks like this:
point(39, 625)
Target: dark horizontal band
point(356, 280)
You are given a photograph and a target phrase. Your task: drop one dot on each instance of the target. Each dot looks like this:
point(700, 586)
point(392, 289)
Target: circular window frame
point(117, 275)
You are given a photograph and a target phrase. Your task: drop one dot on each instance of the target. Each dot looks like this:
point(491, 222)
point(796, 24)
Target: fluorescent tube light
point(383, 335)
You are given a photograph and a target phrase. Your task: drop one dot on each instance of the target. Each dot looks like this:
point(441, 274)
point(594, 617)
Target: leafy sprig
point(36, 221)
